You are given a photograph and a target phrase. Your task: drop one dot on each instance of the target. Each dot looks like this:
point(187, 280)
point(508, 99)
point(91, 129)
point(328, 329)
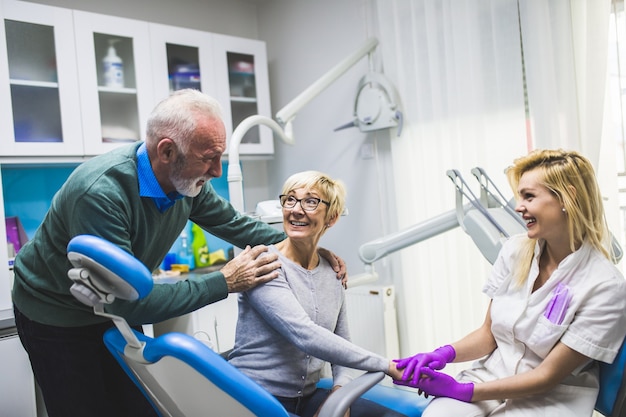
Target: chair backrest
point(180, 375)
point(612, 396)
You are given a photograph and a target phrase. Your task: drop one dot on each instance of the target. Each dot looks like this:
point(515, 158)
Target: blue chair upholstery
point(180, 376)
point(183, 377)
point(610, 401)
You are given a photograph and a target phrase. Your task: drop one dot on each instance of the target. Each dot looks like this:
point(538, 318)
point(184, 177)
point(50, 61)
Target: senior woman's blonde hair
point(571, 178)
point(329, 189)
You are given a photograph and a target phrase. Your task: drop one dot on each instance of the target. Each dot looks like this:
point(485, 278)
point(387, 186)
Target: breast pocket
point(544, 336)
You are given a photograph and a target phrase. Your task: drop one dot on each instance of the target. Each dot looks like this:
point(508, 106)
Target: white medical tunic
point(594, 324)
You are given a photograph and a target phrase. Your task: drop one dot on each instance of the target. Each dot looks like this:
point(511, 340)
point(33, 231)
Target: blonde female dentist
point(558, 305)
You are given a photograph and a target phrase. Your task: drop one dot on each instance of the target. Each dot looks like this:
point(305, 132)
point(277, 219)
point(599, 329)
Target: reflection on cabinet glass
point(117, 94)
point(33, 80)
point(183, 67)
point(243, 96)
point(36, 114)
point(119, 118)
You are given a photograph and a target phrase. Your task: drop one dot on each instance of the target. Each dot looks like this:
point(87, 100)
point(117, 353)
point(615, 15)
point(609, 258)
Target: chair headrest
point(111, 269)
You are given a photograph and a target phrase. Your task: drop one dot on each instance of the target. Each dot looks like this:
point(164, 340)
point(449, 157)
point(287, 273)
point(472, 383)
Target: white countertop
point(6, 318)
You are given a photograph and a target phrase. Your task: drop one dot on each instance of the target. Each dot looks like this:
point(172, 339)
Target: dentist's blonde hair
point(571, 178)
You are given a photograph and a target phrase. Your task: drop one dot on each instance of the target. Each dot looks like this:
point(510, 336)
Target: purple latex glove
point(439, 384)
point(436, 359)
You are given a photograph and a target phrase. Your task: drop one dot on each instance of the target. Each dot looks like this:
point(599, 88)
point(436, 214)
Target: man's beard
point(185, 186)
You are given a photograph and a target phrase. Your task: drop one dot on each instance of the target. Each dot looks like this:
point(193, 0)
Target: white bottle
point(185, 256)
point(113, 67)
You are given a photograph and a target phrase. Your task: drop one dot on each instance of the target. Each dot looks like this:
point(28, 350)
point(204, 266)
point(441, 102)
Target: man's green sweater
point(101, 198)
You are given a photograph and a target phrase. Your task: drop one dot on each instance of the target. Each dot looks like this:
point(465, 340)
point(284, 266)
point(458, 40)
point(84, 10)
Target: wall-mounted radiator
point(372, 319)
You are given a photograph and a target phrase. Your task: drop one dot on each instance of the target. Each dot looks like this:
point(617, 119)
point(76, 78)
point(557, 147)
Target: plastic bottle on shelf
point(113, 67)
point(199, 247)
point(185, 257)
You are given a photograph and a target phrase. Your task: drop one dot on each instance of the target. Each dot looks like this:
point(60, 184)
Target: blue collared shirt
point(148, 184)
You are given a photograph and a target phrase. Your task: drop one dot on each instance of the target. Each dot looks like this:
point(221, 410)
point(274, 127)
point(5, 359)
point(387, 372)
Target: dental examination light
point(286, 115)
point(376, 106)
point(377, 249)
point(283, 127)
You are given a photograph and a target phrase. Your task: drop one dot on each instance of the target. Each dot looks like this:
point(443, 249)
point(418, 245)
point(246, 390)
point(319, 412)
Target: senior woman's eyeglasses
point(307, 204)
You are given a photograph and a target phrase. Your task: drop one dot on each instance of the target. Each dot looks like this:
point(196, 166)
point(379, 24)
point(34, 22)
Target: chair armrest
point(339, 401)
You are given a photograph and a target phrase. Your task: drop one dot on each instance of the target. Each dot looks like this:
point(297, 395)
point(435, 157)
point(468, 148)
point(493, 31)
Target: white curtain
point(565, 45)
point(458, 68)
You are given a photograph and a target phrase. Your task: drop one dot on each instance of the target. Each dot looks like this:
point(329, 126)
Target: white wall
point(304, 40)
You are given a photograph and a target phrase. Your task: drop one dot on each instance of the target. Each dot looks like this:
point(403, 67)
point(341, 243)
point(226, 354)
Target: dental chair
point(180, 375)
point(611, 401)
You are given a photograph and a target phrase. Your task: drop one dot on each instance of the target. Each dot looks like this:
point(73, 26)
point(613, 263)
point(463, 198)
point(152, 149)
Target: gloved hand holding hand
point(439, 384)
point(436, 359)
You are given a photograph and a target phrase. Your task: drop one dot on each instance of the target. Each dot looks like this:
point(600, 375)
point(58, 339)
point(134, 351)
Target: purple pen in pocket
point(557, 307)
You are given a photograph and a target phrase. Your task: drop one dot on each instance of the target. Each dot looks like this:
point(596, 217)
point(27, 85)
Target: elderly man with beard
point(140, 198)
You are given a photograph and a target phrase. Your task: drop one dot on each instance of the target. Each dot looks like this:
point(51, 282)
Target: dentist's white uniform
point(594, 325)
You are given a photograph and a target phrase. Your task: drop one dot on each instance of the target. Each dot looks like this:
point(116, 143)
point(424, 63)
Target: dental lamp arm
point(379, 248)
point(235, 177)
point(285, 115)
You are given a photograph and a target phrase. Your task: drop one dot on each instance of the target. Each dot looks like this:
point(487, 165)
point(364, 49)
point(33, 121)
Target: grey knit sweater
point(288, 328)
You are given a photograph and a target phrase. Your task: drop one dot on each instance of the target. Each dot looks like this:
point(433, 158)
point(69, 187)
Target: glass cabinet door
point(243, 87)
point(115, 79)
point(182, 58)
point(38, 76)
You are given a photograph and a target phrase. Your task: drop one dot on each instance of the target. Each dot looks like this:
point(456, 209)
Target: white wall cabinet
point(229, 68)
point(52, 78)
point(242, 85)
point(38, 82)
point(181, 58)
point(113, 114)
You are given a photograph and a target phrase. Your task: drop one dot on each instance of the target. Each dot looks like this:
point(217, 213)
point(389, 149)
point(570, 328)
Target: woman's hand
point(439, 384)
point(393, 370)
